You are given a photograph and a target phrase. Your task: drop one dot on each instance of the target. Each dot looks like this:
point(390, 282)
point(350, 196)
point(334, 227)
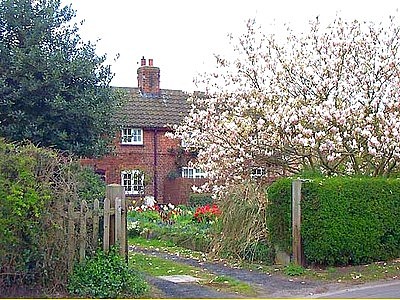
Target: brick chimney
point(148, 77)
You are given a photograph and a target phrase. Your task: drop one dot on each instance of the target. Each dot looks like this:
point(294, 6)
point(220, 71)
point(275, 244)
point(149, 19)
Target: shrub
point(106, 276)
point(279, 218)
point(22, 208)
point(35, 186)
point(196, 200)
point(344, 220)
point(90, 184)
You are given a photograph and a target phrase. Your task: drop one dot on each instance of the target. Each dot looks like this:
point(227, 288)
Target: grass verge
point(349, 274)
point(155, 266)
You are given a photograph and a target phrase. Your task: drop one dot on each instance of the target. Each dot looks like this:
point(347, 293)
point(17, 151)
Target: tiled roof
point(153, 111)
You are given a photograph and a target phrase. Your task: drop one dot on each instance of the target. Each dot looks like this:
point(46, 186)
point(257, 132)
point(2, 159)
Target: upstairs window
point(257, 172)
point(188, 172)
point(132, 136)
point(132, 181)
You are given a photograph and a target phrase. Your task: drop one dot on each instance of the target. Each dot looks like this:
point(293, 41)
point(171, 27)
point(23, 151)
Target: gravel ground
point(267, 285)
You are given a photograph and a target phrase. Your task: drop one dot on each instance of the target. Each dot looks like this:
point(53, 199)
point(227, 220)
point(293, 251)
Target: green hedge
point(344, 220)
point(196, 200)
point(279, 214)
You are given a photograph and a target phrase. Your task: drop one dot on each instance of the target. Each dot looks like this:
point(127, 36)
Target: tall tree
point(326, 99)
point(54, 88)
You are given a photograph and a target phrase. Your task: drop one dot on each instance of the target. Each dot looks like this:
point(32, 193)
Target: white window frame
point(132, 136)
point(190, 172)
point(132, 181)
point(258, 172)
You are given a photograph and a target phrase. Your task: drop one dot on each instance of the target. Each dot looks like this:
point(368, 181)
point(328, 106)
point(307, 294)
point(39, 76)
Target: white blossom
point(330, 95)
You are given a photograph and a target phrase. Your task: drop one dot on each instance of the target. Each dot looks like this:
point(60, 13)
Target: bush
point(90, 184)
point(22, 205)
point(196, 200)
point(35, 187)
point(344, 220)
point(106, 276)
point(279, 218)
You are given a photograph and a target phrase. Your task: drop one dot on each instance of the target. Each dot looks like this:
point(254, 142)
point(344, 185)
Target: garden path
point(267, 285)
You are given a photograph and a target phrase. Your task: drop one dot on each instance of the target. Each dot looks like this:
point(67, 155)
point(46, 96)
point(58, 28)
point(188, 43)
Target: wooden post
point(120, 225)
point(114, 192)
point(124, 228)
point(118, 221)
point(296, 222)
point(82, 231)
point(96, 210)
point(106, 225)
point(71, 236)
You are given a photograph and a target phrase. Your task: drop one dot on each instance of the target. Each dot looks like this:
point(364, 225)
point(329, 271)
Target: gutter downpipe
point(155, 165)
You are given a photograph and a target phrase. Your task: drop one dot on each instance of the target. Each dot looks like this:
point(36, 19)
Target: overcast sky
point(181, 36)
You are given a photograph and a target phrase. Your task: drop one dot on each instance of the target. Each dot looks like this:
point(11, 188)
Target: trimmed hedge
point(196, 200)
point(344, 220)
point(279, 214)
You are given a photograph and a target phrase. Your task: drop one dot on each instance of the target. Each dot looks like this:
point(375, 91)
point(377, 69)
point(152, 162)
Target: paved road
point(382, 290)
point(187, 290)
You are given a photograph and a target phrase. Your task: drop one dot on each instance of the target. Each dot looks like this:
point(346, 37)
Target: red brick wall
point(131, 157)
point(178, 190)
point(149, 78)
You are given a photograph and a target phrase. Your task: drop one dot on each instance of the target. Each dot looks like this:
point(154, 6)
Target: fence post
point(82, 231)
point(115, 193)
point(96, 209)
point(296, 223)
point(106, 225)
point(118, 221)
point(71, 236)
point(124, 238)
point(120, 225)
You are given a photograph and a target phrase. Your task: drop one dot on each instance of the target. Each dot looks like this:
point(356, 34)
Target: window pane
point(131, 136)
point(132, 181)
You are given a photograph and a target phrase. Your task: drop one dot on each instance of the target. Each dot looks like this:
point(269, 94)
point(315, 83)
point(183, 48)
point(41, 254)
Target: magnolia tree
point(325, 100)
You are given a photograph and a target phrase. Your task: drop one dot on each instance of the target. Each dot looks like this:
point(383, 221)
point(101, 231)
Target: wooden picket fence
point(112, 215)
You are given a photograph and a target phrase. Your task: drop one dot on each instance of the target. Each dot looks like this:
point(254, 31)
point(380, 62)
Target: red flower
point(207, 213)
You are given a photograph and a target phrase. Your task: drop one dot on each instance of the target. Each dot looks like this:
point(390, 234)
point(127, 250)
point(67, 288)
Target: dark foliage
point(54, 89)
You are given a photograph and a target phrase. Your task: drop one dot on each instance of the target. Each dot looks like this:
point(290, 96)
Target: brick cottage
point(145, 161)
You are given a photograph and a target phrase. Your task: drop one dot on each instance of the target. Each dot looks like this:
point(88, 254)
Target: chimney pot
point(148, 78)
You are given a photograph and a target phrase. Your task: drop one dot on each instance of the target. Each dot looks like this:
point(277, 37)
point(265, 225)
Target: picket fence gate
point(114, 217)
